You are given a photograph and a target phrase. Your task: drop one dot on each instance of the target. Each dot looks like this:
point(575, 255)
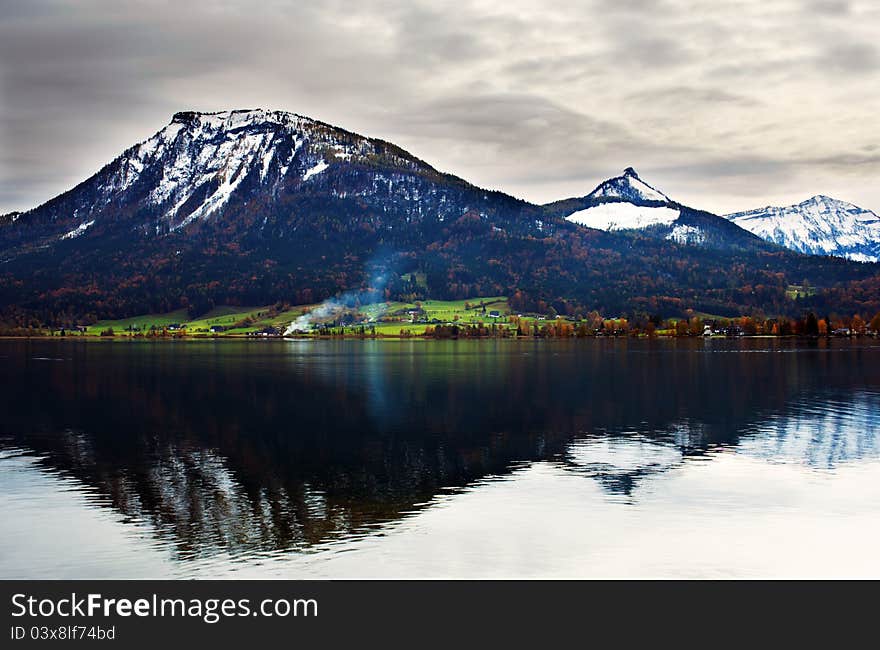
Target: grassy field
point(143, 322)
point(237, 320)
point(794, 291)
point(225, 317)
point(448, 311)
point(390, 317)
point(419, 278)
point(394, 329)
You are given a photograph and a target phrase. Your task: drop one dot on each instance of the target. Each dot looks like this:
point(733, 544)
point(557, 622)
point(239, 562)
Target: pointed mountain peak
point(830, 201)
point(630, 188)
point(820, 198)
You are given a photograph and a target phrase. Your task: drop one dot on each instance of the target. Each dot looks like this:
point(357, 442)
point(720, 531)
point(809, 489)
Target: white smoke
point(350, 300)
point(324, 311)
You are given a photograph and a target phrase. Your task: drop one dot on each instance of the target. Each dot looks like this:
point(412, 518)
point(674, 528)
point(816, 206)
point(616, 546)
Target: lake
point(407, 459)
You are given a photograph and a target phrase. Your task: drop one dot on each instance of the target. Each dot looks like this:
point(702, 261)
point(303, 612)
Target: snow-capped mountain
point(625, 202)
point(260, 174)
point(628, 203)
point(630, 188)
point(233, 202)
point(201, 163)
point(254, 207)
point(820, 225)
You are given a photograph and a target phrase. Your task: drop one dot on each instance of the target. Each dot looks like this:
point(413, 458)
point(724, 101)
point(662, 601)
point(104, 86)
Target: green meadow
point(389, 318)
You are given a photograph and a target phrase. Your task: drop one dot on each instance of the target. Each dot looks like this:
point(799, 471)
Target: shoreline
point(302, 338)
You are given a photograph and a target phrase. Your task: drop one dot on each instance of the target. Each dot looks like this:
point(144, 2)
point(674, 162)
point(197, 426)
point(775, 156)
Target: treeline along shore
point(493, 326)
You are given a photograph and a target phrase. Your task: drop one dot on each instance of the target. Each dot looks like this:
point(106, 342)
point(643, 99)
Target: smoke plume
point(373, 293)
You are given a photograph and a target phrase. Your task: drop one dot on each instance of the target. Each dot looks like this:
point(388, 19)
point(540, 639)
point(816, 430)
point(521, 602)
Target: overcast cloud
point(722, 105)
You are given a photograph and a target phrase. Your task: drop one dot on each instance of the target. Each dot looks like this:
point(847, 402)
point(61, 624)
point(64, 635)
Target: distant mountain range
point(252, 207)
point(627, 203)
point(818, 226)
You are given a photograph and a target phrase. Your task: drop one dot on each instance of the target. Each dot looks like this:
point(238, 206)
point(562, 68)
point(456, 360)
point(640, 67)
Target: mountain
point(629, 187)
point(205, 164)
point(627, 203)
point(818, 226)
point(252, 207)
point(241, 205)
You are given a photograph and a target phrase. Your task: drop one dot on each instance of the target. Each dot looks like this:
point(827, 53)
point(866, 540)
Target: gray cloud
point(849, 161)
point(719, 104)
point(851, 58)
point(832, 7)
point(682, 96)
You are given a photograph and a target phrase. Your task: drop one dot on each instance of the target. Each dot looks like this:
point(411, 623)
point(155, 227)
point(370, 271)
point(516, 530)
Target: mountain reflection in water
point(264, 449)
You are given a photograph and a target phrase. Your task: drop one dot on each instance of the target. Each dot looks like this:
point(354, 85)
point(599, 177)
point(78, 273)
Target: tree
point(875, 323)
point(811, 326)
point(858, 325)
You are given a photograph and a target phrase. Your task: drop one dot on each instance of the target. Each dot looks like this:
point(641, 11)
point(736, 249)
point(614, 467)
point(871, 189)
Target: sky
point(722, 105)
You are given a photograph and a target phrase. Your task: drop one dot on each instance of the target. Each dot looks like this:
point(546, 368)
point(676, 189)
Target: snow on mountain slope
point(625, 202)
point(621, 215)
point(687, 234)
point(628, 187)
point(206, 156)
point(195, 165)
point(818, 226)
point(254, 178)
point(317, 169)
point(80, 229)
point(201, 159)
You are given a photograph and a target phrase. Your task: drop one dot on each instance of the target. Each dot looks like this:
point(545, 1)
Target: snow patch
point(861, 257)
point(267, 160)
point(623, 216)
point(218, 199)
point(79, 230)
point(317, 169)
point(684, 234)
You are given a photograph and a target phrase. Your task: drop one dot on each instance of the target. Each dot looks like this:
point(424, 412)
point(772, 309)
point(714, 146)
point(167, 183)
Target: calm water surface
point(597, 458)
